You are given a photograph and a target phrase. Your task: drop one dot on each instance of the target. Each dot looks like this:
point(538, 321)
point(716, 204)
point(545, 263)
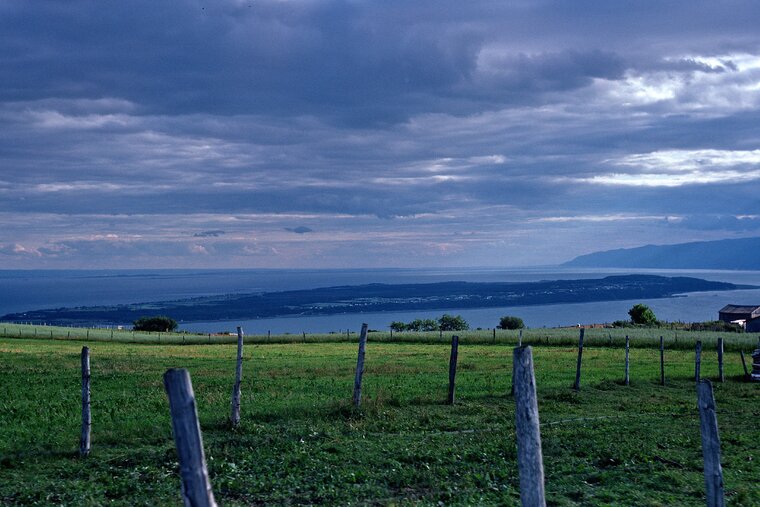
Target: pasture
point(300, 441)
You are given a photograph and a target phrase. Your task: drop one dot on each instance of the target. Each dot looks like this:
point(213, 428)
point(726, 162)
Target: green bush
point(452, 323)
point(510, 322)
point(159, 323)
point(642, 315)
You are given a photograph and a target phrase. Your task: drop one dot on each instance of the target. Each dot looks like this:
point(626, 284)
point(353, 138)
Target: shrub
point(160, 323)
point(398, 326)
point(510, 322)
point(642, 315)
point(452, 323)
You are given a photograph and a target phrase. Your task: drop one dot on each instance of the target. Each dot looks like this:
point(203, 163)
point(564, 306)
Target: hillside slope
point(723, 254)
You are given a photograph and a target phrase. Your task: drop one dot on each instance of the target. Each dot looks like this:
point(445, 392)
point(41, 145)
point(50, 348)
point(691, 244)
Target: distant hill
point(723, 254)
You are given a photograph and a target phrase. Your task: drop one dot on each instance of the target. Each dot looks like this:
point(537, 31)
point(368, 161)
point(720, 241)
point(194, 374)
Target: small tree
point(510, 322)
point(398, 326)
point(452, 323)
point(642, 315)
point(159, 323)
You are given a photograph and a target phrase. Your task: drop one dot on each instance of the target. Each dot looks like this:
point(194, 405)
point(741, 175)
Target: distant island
point(381, 298)
point(736, 254)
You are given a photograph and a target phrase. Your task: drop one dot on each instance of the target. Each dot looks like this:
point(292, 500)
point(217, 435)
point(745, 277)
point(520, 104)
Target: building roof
point(739, 309)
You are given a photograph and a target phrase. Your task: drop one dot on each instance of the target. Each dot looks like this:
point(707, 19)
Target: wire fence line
point(594, 337)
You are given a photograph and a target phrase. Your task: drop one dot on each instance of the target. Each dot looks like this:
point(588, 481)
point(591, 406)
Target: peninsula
point(380, 298)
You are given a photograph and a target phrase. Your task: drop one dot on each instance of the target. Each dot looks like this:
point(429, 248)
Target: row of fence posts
point(627, 378)
point(196, 486)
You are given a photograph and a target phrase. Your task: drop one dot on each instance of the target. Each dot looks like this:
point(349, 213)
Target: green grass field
point(300, 442)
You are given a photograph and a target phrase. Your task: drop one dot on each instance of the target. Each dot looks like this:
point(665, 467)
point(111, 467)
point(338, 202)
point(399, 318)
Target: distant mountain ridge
point(738, 254)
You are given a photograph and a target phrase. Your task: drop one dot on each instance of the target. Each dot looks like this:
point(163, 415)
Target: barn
point(746, 316)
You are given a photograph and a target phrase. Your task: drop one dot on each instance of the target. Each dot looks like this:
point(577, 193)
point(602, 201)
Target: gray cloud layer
point(196, 134)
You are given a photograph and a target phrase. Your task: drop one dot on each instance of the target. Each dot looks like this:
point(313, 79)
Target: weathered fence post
point(519, 339)
point(577, 384)
point(662, 361)
point(453, 367)
point(84, 440)
point(627, 363)
point(235, 415)
point(744, 365)
point(529, 456)
point(697, 360)
point(721, 376)
point(360, 367)
point(494, 335)
point(708, 425)
point(196, 487)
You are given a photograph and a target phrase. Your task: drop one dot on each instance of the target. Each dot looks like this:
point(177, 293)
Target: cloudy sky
point(320, 133)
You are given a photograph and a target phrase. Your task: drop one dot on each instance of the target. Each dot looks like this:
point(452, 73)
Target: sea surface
point(22, 290)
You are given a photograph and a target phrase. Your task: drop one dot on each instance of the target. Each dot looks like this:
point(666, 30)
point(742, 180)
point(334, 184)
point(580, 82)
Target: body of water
point(22, 290)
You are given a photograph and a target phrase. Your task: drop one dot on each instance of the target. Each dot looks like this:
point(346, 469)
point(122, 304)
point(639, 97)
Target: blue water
point(36, 289)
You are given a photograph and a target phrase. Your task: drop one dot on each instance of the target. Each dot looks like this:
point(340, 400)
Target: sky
point(342, 134)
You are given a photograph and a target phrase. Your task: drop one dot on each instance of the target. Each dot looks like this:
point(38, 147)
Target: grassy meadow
point(301, 442)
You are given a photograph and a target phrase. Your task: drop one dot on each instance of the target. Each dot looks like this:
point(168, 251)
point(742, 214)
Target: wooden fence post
point(708, 425)
point(453, 367)
point(627, 362)
point(519, 339)
point(721, 376)
point(84, 440)
point(196, 487)
point(235, 415)
point(577, 384)
point(360, 367)
point(662, 361)
point(744, 364)
point(697, 360)
point(529, 456)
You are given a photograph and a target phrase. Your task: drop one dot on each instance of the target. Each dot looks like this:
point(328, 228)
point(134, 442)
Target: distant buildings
point(746, 316)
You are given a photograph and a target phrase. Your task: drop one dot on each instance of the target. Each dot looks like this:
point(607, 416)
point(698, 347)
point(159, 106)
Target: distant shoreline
point(382, 298)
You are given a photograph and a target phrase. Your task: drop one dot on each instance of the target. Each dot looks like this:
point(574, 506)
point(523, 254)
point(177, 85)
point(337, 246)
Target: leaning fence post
point(529, 456)
point(360, 367)
point(627, 363)
point(84, 440)
point(721, 376)
point(697, 360)
point(744, 364)
point(708, 425)
point(235, 415)
point(196, 486)
point(662, 361)
point(577, 384)
point(453, 367)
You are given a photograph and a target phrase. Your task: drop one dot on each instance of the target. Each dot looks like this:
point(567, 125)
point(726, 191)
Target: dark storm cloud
point(300, 229)
point(125, 125)
point(209, 234)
